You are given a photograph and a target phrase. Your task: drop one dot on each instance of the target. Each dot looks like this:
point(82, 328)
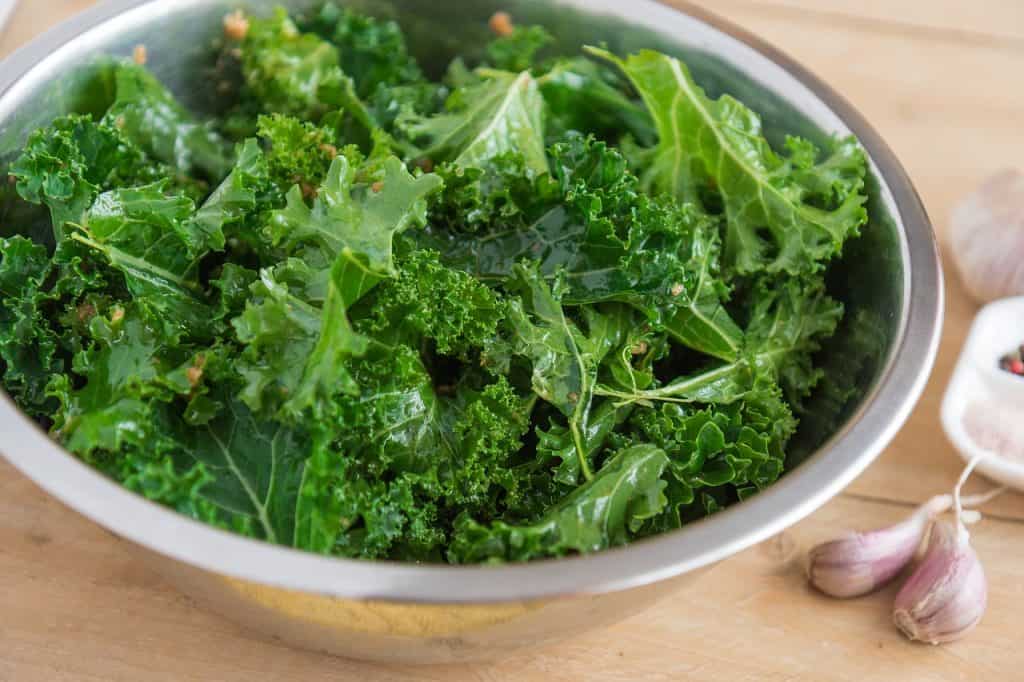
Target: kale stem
point(581, 450)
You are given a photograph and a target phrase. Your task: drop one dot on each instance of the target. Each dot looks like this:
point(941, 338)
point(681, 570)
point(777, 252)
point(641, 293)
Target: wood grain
point(940, 80)
point(999, 22)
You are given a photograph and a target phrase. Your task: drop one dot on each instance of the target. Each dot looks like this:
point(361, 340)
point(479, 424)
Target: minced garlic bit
point(236, 25)
point(377, 186)
point(501, 23)
point(86, 311)
point(676, 289)
point(117, 315)
point(139, 55)
point(193, 374)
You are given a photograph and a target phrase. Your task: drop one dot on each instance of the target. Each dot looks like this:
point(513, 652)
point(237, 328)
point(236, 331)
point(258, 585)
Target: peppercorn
point(1013, 362)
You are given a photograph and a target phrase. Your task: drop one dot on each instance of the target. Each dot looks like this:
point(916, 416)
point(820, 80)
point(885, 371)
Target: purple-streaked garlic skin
point(859, 563)
point(946, 595)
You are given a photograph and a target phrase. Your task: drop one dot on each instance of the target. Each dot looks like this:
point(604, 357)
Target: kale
point(536, 308)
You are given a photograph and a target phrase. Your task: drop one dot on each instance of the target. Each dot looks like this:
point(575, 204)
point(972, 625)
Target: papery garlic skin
point(987, 238)
point(859, 563)
point(946, 595)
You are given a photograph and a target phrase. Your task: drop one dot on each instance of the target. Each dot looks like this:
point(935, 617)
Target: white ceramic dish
point(981, 392)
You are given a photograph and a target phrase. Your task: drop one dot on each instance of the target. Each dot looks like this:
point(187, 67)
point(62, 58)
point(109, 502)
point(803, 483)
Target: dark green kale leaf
point(481, 199)
point(546, 346)
point(517, 51)
point(736, 447)
point(584, 96)
point(122, 368)
point(563, 359)
point(255, 468)
point(613, 243)
point(601, 513)
point(294, 349)
point(235, 199)
point(68, 163)
point(147, 113)
point(158, 479)
point(500, 112)
point(427, 300)
point(296, 328)
point(404, 439)
point(344, 512)
point(290, 72)
point(790, 319)
point(298, 152)
point(285, 69)
point(354, 221)
point(372, 51)
point(28, 346)
point(150, 238)
point(783, 214)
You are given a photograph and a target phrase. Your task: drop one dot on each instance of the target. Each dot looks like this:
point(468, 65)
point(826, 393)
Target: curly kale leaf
point(788, 323)
point(150, 238)
point(355, 221)
point(783, 214)
point(235, 199)
point(403, 437)
point(285, 69)
point(122, 368)
point(789, 320)
point(498, 113)
point(344, 512)
point(290, 72)
point(426, 299)
point(736, 447)
point(613, 243)
point(28, 346)
point(255, 468)
point(296, 328)
point(564, 363)
point(297, 152)
point(582, 95)
point(68, 163)
point(147, 113)
point(295, 352)
point(517, 51)
point(601, 513)
point(372, 51)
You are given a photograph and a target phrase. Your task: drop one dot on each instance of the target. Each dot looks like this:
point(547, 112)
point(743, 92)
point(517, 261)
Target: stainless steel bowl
point(890, 280)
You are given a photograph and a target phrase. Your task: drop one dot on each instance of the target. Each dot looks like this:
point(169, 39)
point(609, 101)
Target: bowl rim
point(833, 466)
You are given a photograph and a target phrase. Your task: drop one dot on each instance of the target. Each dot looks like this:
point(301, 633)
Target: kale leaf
point(540, 307)
point(784, 214)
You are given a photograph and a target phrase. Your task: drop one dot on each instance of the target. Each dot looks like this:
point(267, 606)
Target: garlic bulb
point(858, 563)
point(945, 596)
point(987, 238)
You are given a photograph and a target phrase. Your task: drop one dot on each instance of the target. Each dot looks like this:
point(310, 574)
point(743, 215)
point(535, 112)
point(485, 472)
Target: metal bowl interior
point(889, 279)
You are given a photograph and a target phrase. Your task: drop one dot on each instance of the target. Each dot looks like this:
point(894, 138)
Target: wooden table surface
point(941, 80)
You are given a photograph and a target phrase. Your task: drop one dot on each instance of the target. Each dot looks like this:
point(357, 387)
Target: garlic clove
point(858, 563)
point(946, 595)
point(987, 238)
